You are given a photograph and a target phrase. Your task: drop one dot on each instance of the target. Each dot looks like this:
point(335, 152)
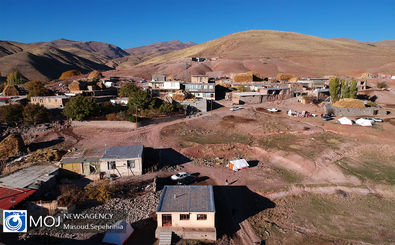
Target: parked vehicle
point(326, 118)
point(179, 176)
point(378, 119)
point(273, 110)
point(187, 180)
point(236, 108)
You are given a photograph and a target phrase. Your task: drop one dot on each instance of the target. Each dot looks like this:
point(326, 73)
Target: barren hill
point(270, 52)
point(107, 50)
point(143, 53)
point(44, 63)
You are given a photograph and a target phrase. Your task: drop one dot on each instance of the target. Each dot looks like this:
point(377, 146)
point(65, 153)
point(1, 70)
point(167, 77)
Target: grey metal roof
point(187, 198)
point(28, 177)
point(121, 152)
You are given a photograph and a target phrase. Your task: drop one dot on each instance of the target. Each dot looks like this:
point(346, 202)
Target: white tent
point(364, 122)
point(238, 164)
point(345, 121)
point(119, 234)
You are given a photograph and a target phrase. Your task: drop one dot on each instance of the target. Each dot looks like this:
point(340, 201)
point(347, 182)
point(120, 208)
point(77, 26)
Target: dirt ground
point(288, 158)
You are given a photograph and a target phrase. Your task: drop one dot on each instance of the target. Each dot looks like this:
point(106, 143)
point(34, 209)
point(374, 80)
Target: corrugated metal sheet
point(9, 197)
point(122, 152)
point(187, 198)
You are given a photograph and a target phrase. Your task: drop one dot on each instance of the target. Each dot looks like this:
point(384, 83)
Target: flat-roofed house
point(123, 160)
point(201, 90)
point(188, 211)
point(50, 102)
point(199, 79)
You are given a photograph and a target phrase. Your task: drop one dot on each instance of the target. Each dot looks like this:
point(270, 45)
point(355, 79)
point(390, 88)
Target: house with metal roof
point(83, 162)
point(187, 211)
point(122, 160)
point(41, 178)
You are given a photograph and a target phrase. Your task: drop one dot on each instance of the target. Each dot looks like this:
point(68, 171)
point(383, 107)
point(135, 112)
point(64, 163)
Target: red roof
point(4, 98)
point(10, 197)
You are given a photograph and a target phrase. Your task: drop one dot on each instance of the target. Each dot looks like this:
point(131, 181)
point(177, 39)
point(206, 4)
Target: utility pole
point(137, 116)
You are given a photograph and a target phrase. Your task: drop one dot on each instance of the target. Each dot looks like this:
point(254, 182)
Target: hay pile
point(95, 75)
point(75, 86)
point(349, 103)
point(247, 77)
point(12, 146)
point(286, 77)
point(11, 90)
point(45, 155)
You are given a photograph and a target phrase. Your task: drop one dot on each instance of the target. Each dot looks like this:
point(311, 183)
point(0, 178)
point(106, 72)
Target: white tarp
point(119, 234)
point(238, 164)
point(364, 122)
point(345, 121)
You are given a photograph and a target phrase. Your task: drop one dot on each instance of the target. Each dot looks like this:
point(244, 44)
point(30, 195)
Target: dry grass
point(349, 103)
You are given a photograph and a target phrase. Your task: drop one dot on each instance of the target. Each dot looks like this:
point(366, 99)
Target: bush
point(11, 114)
point(34, 114)
point(128, 89)
point(140, 100)
point(166, 108)
point(81, 108)
point(101, 192)
point(381, 85)
point(14, 78)
point(132, 119)
point(69, 74)
point(37, 88)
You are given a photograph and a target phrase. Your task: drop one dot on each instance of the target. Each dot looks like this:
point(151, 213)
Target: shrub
point(37, 88)
point(14, 78)
point(132, 119)
point(128, 89)
point(11, 114)
point(34, 114)
point(70, 73)
point(166, 108)
point(81, 108)
point(381, 85)
point(101, 192)
point(140, 100)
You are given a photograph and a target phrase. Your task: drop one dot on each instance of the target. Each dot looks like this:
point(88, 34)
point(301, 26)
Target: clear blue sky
point(140, 22)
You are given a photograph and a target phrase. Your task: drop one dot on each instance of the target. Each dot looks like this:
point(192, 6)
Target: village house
point(40, 178)
point(201, 90)
point(81, 162)
point(187, 211)
point(122, 160)
point(199, 79)
point(50, 102)
point(163, 88)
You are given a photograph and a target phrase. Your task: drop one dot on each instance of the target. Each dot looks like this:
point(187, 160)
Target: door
point(166, 219)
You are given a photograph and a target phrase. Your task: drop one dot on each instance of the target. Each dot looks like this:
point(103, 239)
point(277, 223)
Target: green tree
point(381, 85)
point(353, 90)
point(81, 108)
point(33, 114)
point(37, 88)
point(14, 78)
point(128, 89)
point(345, 89)
point(140, 100)
point(334, 89)
point(11, 114)
point(166, 108)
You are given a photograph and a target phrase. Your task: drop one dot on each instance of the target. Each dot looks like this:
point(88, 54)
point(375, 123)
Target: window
point(130, 163)
point(111, 165)
point(184, 216)
point(201, 216)
point(166, 220)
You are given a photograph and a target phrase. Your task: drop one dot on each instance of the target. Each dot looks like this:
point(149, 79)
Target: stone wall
point(200, 104)
point(105, 124)
point(368, 111)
